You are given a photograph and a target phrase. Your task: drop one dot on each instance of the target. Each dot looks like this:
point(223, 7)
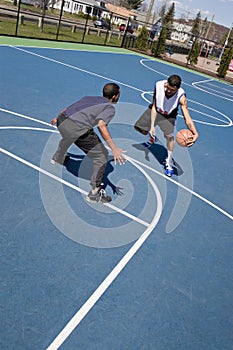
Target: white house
point(181, 32)
point(91, 7)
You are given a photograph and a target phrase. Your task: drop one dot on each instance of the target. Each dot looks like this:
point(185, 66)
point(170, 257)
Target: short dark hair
point(110, 89)
point(174, 80)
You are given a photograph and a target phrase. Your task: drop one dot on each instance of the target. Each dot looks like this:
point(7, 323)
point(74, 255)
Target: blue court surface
point(152, 270)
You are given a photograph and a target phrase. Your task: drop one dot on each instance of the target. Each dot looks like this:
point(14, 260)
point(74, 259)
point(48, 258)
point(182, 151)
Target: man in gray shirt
point(75, 124)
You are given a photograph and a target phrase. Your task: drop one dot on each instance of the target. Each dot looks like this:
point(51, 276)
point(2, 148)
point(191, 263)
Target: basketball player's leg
point(96, 151)
point(167, 126)
point(143, 124)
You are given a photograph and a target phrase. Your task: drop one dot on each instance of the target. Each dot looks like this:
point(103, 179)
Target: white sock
point(169, 158)
point(95, 190)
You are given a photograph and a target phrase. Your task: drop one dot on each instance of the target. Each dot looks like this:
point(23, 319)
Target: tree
point(224, 63)
point(168, 20)
point(142, 39)
point(192, 57)
point(196, 25)
point(203, 29)
point(162, 10)
point(133, 4)
point(158, 47)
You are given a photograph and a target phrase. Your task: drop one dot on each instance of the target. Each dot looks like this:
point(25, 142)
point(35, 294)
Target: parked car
point(128, 29)
point(101, 23)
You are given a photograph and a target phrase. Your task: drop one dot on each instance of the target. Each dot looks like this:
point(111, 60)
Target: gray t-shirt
point(87, 111)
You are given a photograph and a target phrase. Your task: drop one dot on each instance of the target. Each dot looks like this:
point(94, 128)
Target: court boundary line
point(186, 189)
point(76, 68)
point(197, 83)
point(141, 164)
point(76, 188)
point(193, 85)
point(149, 168)
point(101, 289)
point(93, 299)
point(178, 184)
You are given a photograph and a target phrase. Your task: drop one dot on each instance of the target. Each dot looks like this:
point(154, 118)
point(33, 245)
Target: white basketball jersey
point(166, 105)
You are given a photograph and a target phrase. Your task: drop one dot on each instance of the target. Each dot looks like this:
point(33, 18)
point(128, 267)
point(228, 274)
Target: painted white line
point(82, 312)
point(79, 47)
point(230, 122)
point(217, 94)
point(26, 128)
point(141, 164)
point(26, 117)
point(76, 68)
point(119, 82)
point(211, 88)
point(66, 183)
point(87, 306)
point(194, 85)
point(185, 188)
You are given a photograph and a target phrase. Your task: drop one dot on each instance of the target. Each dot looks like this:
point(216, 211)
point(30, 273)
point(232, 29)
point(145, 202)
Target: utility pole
point(206, 43)
point(226, 42)
point(148, 16)
point(207, 33)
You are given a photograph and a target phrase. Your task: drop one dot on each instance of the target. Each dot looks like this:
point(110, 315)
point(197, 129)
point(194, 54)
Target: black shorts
point(166, 124)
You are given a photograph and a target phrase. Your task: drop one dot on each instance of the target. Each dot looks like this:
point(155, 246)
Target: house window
point(67, 4)
point(88, 9)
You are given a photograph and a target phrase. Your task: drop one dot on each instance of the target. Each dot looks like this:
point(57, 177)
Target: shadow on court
point(160, 153)
point(81, 167)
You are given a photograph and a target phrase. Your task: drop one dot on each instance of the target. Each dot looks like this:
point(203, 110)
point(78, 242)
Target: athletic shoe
point(54, 161)
point(99, 197)
point(169, 171)
point(150, 142)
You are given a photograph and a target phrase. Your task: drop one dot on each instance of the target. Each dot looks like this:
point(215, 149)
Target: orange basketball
point(183, 137)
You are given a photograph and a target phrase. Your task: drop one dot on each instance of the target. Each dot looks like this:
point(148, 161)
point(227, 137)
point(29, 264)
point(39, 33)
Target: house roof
point(122, 11)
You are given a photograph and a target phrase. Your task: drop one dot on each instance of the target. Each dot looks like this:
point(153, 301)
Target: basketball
point(184, 137)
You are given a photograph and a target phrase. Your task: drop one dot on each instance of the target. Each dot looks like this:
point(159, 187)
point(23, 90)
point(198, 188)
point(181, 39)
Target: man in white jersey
point(168, 96)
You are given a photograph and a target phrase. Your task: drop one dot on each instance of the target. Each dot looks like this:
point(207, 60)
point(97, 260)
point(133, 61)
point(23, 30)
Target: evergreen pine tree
point(168, 20)
point(133, 4)
point(225, 61)
point(196, 25)
point(158, 47)
point(142, 39)
point(192, 57)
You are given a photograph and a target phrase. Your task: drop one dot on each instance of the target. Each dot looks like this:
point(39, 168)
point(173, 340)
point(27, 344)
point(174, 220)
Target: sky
point(220, 11)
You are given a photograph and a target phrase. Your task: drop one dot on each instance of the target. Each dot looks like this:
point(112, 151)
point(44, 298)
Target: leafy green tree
point(158, 47)
point(224, 63)
point(192, 57)
point(142, 39)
